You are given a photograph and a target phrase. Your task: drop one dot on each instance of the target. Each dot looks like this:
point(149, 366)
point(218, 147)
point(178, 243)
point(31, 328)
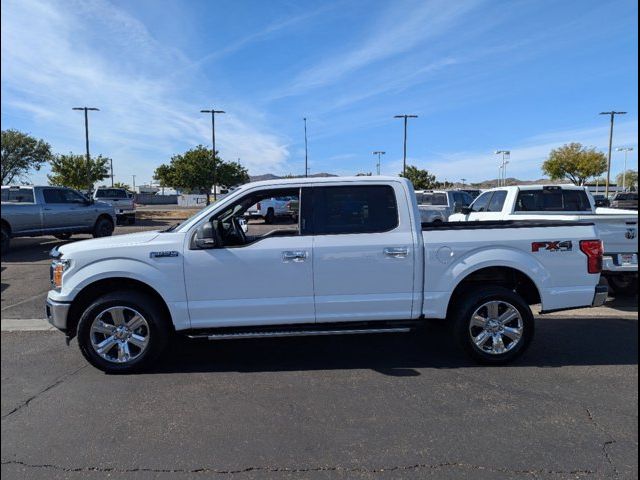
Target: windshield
point(432, 199)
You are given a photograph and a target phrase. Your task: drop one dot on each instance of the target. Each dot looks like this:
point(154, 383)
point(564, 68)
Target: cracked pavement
point(394, 406)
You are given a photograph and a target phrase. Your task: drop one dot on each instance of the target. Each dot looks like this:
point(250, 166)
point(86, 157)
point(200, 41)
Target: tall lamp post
point(86, 138)
point(306, 150)
point(378, 153)
point(612, 114)
point(213, 113)
point(624, 172)
point(404, 155)
point(503, 166)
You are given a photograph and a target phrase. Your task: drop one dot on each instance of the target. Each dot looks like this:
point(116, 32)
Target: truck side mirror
point(465, 210)
point(205, 237)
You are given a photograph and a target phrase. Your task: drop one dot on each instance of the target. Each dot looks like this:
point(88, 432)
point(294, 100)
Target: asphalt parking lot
point(392, 406)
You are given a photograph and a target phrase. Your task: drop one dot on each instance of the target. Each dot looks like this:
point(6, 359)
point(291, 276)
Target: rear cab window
point(17, 195)
point(553, 200)
point(354, 209)
point(432, 199)
point(111, 193)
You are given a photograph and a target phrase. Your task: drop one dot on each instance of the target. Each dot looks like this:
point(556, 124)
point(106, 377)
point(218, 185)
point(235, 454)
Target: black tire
point(6, 239)
point(473, 300)
point(63, 236)
point(157, 328)
point(103, 228)
point(269, 217)
point(623, 287)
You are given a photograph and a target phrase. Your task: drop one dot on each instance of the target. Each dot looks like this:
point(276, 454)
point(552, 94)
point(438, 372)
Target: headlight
point(56, 270)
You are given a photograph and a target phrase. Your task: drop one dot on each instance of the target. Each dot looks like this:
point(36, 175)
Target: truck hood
point(107, 242)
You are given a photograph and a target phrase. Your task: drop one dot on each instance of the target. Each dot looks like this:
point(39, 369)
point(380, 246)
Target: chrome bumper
point(57, 314)
point(613, 263)
point(600, 296)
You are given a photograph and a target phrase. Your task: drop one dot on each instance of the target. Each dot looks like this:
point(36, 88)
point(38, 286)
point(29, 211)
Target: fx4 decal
point(553, 246)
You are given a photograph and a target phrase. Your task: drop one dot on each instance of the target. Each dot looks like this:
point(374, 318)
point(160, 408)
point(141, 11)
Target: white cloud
point(402, 27)
point(526, 156)
point(57, 55)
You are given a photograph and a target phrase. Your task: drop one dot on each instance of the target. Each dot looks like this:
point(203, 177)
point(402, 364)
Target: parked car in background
point(271, 208)
point(474, 192)
point(600, 200)
point(437, 205)
point(121, 200)
point(627, 201)
point(618, 229)
point(29, 211)
point(358, 262)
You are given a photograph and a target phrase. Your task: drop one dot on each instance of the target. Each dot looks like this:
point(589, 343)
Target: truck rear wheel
point(103, 228)
point(122, 332)
point(623, 286)
point(494, 325)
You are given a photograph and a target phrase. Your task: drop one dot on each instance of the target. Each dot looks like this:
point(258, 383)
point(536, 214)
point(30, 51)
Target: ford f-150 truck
point(121, 200)
point(29, 211)
point(270, 208)
point(618, 229)
point(358, 261)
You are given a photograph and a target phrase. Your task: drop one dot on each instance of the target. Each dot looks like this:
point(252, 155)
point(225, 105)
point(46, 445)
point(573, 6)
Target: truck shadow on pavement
point(559, 342)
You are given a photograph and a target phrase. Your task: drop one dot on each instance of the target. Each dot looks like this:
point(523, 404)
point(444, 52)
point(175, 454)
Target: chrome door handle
point(294, 256)
point(396, 252)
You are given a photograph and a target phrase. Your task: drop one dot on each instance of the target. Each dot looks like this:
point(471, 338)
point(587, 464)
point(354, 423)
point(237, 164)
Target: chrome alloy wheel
point(119, 334)
point(496, 327)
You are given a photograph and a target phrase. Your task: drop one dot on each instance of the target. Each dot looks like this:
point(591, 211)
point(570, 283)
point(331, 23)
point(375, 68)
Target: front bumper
point(600, 296)
point(57, 313)
point(122, 211)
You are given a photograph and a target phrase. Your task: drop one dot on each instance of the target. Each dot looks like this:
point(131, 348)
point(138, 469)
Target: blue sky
point(482, 75)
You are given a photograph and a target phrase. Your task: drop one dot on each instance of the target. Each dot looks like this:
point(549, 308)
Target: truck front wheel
point(494, 325)
point(122, 332)
point(6, 239)
point(269, 217)
point(103, 228)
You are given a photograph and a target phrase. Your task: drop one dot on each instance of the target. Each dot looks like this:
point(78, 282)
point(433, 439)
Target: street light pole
point(134, 182)
point(624, 172)
point(86, 138)
point(306, 150)
point(502, 177)
point(213, 146)
point(404, 155)
point(612, 114)
point(463, 180)
point(379, 153)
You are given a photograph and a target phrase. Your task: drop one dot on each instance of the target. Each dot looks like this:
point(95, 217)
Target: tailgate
point(619, 235)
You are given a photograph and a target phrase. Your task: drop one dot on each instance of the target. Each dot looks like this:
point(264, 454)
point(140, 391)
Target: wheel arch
point(503, 276)
point(107, 285)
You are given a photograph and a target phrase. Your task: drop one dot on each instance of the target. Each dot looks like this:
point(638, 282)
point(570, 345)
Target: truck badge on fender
point(630, 234)
point(169, 253)
point(555, 246)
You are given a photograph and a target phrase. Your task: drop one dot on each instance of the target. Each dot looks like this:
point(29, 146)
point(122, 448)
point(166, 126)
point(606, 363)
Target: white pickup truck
point(270, 208)
point(618, 229)
point(358, 261)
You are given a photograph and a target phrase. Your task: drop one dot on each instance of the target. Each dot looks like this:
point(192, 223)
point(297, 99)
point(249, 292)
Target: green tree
point(630, 179)
point(21, 153)
point(575, 163)
point(121, 185)
point(73, 171)
point(421, 179)
point(194, 169)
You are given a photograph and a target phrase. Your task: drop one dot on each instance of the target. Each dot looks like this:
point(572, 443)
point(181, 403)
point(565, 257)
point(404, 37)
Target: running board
point(297, 333)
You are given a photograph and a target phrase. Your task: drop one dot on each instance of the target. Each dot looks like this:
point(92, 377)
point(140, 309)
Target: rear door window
point(354, 209)
point(17, 195)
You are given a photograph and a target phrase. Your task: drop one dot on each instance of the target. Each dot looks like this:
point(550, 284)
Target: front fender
point(165, 277)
